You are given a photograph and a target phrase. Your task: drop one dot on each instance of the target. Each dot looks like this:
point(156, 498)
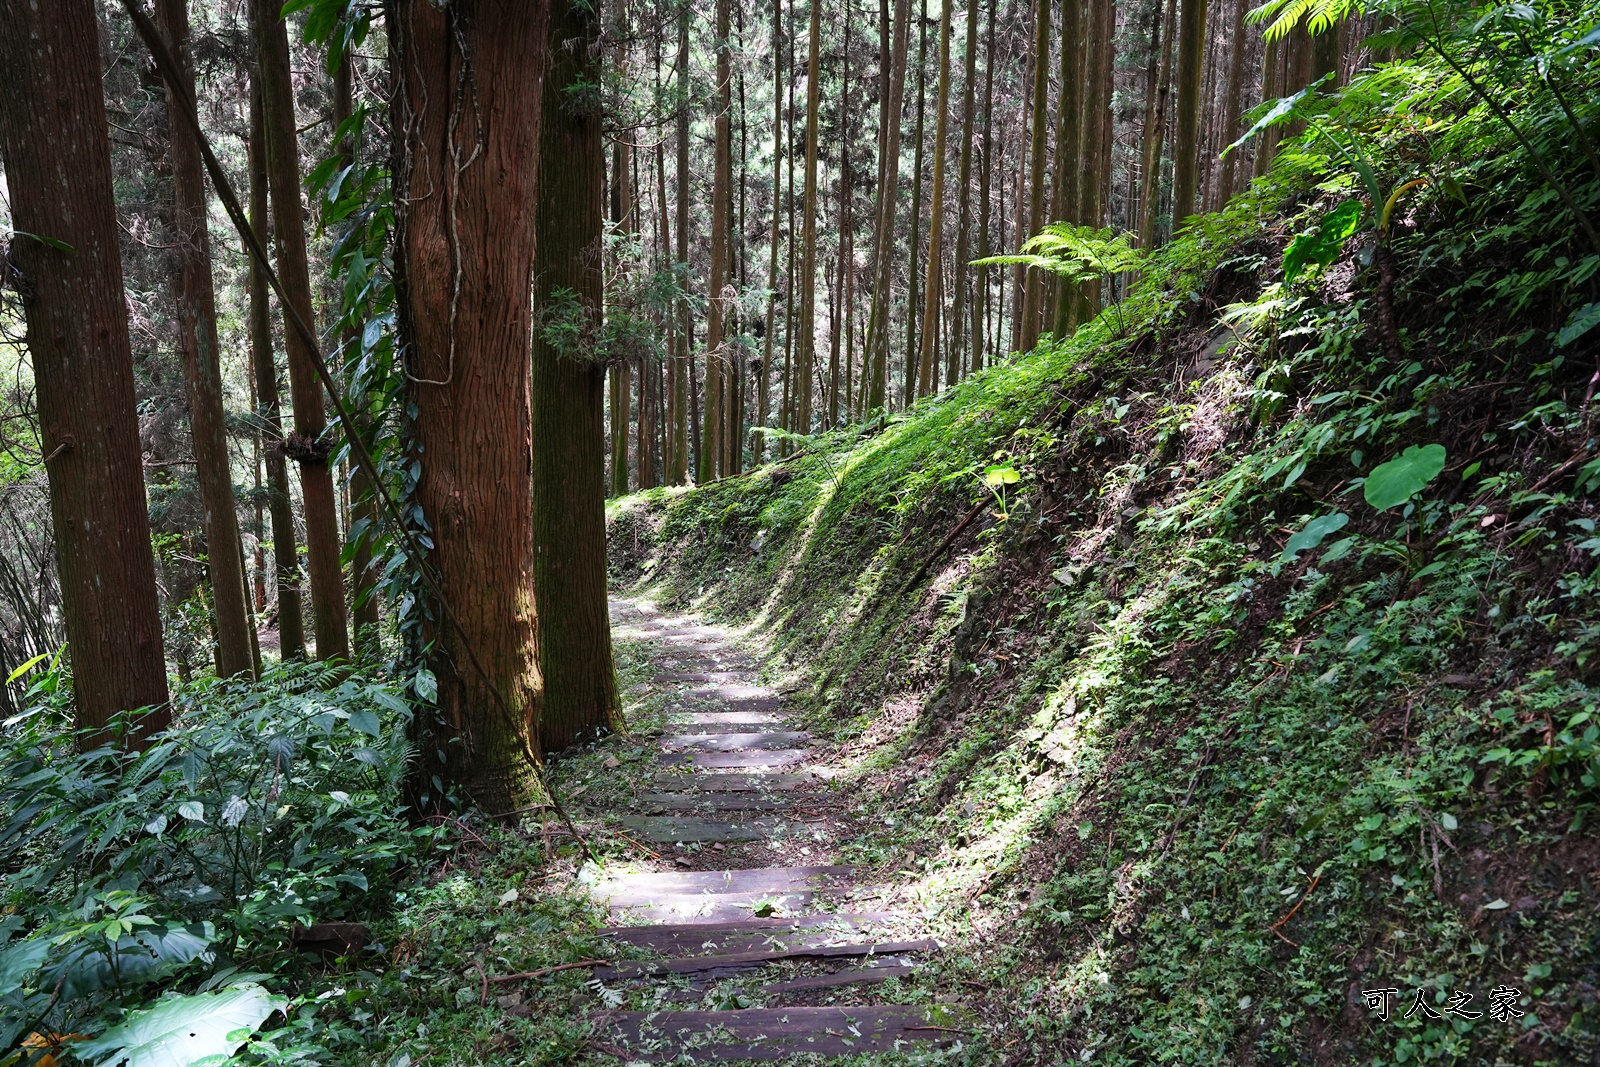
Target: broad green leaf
point(193, 810)
point(1322, 246)
point(26, 667)
point(997, 475)
point(18, 960)
point(1313, 534)
point(427, 686)
point(365, 721)
point(1579, 323)
point(1396, 481)
point(1282, 110)
point(142, 957)
point(182, 1030)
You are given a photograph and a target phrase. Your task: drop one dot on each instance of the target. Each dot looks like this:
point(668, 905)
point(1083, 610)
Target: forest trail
point(760, 944)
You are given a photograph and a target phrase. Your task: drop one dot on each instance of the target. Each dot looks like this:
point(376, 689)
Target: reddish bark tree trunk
point(202, 372)
point(580, 682)
point(309, 446)
point(58, 169)
point(466, 115)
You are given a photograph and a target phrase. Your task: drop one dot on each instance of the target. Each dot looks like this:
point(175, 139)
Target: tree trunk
point(980, 284)
point(875, 377)
point(621, 375)
point(1186, 147)
point(1155, 133)
point(932, 295)
point(683, 384)
point(1069, 146)
point(568, 393)
point(1231, 104)
point(1095, 148)
point(196, 305)
point(806, 359)
point(712, 445)
point(469, 137)
point(913, 275)
point(770, 334)
point(955, 353)
point(309, 445)
point(264, 368)
point(1033, 280)
point(57, 161)
point(838, 389)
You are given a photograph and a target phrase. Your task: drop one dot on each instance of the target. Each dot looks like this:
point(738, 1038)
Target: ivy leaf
point(1322, 246)
point(1396, 481)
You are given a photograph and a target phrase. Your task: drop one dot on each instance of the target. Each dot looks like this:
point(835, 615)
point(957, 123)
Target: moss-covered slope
point(1187, 794)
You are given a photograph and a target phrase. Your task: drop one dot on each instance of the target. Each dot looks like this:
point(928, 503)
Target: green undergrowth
point(1225, 708)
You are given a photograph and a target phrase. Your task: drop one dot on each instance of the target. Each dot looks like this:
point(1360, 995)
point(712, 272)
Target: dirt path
point(757, 943)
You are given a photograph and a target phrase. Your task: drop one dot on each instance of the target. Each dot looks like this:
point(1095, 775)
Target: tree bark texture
point(57, 157)
point(877, 352)
point(466, 115)
point(933, 293)
point(806, 357)
point(309, 445)
point(196, 306)
point(568, 391)
point(1186, 146)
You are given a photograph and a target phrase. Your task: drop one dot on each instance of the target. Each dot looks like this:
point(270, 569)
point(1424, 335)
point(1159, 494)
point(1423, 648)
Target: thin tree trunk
point(1155, 132)
point(980, 284)
point(621, 374)
point(683, 383)
point(57, 160)
point(1186, 147)
point(913, 275)
point(875, 379)
point(1033, 281)
point(807, 355)
point(1069, 146)
point(712, 444)
point(931, 297)
point(955, 352)
point(777, 207)
point(1265, 146)
point(846, 264)
point(196, 305)
point(568, 400)
point(264, 367)
point(463, 271)
point(1095, 149)
point(1231, 104)
point(309, 445)
point(1020, 215)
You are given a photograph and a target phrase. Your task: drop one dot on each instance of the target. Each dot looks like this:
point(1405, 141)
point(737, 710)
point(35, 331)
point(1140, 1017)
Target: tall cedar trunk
point(1186, 146)
point(1033, 282)
point(621, 376)
point(58, 168)
point(309, 445)
point(466, 112)
point(980, 284)
point(913, 277)
point(683, 384)
point(568, 400)
point(1069, 144)
point(1092, 193)
point(770, 334)
point(932, 296)
point(955, 353)
point(1019, 215)
point(363, 501)
point(838, 389)
point(202, 371)
point(1207, 135)
point(1271, 87)
point(264, 367)
point(1231, 104)
point(1155, 132)
point(712, 444)
point(875, 376)
point(806, 358)
point(789, 271)
point(735, 408)
point(667, 396)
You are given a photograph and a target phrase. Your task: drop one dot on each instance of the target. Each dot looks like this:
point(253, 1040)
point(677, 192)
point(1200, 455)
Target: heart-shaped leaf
point(1313, 534)
point(1396, 481)
point(181, 1030)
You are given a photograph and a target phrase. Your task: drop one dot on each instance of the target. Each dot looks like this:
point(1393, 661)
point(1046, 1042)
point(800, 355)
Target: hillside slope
point(1156, 709)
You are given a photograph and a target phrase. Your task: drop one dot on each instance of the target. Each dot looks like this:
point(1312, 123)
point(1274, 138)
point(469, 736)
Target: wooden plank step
point(853, 976)
point(715, 896)
point(682, 720)
point(773, 1033)
point(715, 907)
point(734, 961)
point(685, 781)
point(732, 742)
point(748, 935)
point(708, 802)
point(780, 757)
point(732, 692)
point(703, 677)
point(668, 829)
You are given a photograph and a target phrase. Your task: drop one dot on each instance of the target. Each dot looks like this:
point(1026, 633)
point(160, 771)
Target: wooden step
point(779, 757)
point(732, 742)
point(671, 829)
point(773, 1033)
point(719, 721)
point(854, 976)
point(686, 781)
point(736, 961)
point(749, 935)
point(709, 802)
point(716, 896)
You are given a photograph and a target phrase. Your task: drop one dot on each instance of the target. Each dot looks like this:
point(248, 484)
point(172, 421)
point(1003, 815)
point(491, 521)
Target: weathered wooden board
point(733, 742)
point(732, 961)
point(684, 781)
point(639, 886)
point(669, 829)
point(710, 802)
point(750, 935)
point(773, 1033)
point(682, 720)
point(853, 976)
point(736, 760)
